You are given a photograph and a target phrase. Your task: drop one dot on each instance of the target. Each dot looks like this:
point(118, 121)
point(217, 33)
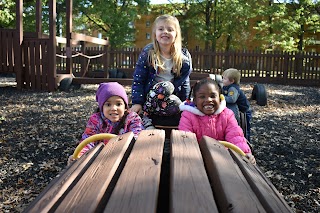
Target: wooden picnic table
point(155, 174)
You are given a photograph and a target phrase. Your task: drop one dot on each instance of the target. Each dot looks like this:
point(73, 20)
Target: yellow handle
point(233, 147)
point(90, 139)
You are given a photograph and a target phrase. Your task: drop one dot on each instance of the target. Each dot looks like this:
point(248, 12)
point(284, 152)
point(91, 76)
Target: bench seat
point(159, 174)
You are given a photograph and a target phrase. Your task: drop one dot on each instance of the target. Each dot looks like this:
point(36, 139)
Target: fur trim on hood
point(190, 106)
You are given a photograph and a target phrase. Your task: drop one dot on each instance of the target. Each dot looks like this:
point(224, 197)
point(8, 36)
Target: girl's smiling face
point(165, 33)
point(207, 98)
point(114, 108)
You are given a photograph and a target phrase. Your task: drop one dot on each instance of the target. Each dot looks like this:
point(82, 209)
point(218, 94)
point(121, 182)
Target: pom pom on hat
point(106, 90)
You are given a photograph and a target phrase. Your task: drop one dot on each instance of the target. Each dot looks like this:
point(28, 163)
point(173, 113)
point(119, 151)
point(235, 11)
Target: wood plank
point(4, 50)
point(138, 186)
point(10, 50)
point(190, 187)
point(123, 81)
point(85, 80)
point(44, 65)
point(31, 47)
point(230, 188)
point(26, 70)
point(83, 37)
point(268, 195)
point(60, 186)
point(2, 39)
point(37, 65)
point(96, 184)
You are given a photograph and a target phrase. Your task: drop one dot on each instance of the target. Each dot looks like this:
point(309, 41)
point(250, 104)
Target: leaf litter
point(39, 130)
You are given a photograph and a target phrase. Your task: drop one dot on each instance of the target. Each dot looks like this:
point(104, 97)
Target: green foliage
point(7, 14)
point(286, 25)
point(113, 19)
point(221, 24)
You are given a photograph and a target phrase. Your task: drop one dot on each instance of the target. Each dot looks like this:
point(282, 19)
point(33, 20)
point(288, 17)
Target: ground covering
point(39, 130)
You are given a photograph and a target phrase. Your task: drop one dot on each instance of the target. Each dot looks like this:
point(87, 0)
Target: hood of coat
point(191, 107)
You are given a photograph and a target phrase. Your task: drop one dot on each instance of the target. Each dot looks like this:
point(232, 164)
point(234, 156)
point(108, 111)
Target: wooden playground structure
point(32, 56)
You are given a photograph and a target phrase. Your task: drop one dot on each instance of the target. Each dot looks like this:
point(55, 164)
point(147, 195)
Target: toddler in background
point(235, 98)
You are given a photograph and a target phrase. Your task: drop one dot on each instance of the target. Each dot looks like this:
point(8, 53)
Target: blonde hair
point(176, 52)
point(232, 74)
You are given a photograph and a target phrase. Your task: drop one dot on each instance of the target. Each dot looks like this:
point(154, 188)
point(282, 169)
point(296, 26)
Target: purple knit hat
point(106, 90)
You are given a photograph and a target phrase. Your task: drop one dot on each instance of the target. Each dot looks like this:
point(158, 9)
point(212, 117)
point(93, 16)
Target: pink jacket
point(222, 125)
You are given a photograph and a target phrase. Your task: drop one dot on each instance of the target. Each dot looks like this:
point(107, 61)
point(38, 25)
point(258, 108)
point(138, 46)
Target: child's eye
point(119, 104)
point(107, 104)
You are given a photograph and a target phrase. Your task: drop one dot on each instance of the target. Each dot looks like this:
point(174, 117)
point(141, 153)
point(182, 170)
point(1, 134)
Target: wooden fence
point(291, 68)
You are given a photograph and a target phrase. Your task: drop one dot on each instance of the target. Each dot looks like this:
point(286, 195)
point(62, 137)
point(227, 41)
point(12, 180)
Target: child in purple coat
point(112, 116)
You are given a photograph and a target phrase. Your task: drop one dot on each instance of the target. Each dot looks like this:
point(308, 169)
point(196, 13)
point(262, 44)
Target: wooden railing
point(290, 68)
point(7, 60)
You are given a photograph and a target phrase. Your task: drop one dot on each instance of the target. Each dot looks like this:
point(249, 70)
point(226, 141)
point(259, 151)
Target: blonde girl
point(163, 60)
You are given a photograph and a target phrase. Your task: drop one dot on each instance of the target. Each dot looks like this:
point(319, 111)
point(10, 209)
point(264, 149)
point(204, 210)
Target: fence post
point(18, 68)
point(52, 65)
point(106, 58)
point(83, 61)
point(286, 65)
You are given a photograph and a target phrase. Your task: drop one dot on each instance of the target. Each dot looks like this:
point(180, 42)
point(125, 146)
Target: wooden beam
point(84, 80)
point(39, 18)
point(52, 47)
point(18, 44)
point(68, 37)
point(82, 37)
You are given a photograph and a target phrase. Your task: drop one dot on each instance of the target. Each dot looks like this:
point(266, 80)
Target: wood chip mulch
point(39, 130)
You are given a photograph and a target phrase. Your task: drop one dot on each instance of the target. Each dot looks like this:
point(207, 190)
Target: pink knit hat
point(106, 90)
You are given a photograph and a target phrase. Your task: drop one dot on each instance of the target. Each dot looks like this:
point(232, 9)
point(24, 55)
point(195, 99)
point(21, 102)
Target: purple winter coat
point(222, 125)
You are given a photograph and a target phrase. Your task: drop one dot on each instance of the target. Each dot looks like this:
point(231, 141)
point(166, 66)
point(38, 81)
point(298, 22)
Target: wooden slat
point(230, 188)
point(26, 71)
point(138, 186)
point(44, 66)
point(60, 186)
point(2, 40)
point(32, 48)
point(37, 65)
point(10, 42)
point(96, 184)
point(123, 81)
point(4, 50)
point(82, 37)
point(190, 187)
point(84, 80)
point(268, 195)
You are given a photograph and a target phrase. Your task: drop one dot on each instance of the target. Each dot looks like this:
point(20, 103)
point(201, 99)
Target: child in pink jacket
point(208, 115)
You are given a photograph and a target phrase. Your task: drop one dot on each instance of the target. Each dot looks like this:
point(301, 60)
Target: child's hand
point(70, 160)
point(136, 108)
point(251, 158)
